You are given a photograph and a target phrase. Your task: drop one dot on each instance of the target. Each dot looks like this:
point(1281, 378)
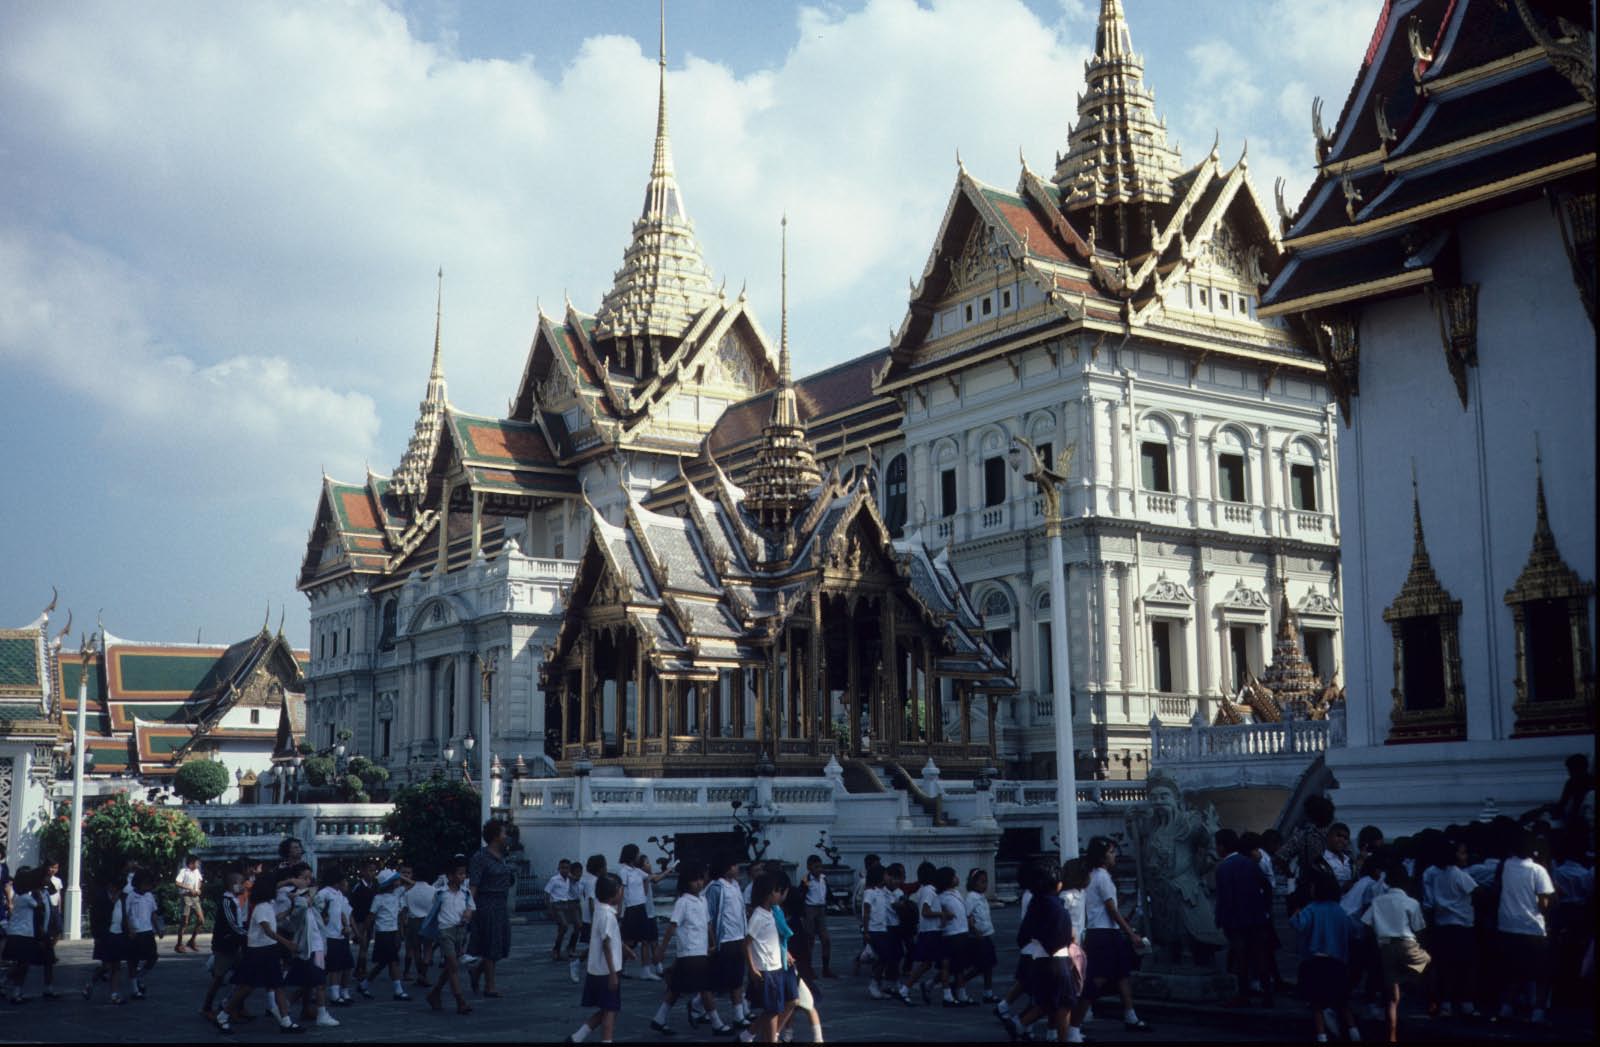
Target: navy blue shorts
point(638, 925)
point(983, 956)
point(260, 967)
point(928, 947)
point(1050, 984)
point(886, 944)
point(111, 948)
point(304, 974)
point(732, 970)
point(598, 993)
point(339, 957)
point(778, 988)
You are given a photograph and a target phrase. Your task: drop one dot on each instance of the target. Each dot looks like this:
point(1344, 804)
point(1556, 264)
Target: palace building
point(1445, 258)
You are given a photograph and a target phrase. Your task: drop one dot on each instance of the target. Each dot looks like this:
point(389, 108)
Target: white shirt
point(978, 909)
point(261, 913)
point(419, 899)
point(1521, 882)
point(689, 913)
point(763, 935)
point(1483, 873)
point(890, 917)
point(1360, 895)
point(951, 905)
point(1076, 902)
point(141, 912)
point(1340, 864)
point(926, 895)
point(1574, 883)
point(876, 901)
point(189, 879)
point(817, 889)
point(731, 925)
point(745, 894)
point(1451, 890)
point(585, 895)
point(605, 936)
point(558, 888)
point(633, 886)
point(21, 922)
point(316, 934)
point(1101, 889)
point(1394, 914)
point(334, 908)
point(453, 906)
point(386, 911)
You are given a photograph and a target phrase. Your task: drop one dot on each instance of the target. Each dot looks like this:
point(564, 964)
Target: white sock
point(322, 1012)
point(1003, 1008)
point(285, 1021)
point(1074, 1034)
point(716, 1019)
point(741, 1012)
point(663, 1013)
point(399, 987)
point(949, 998)
point(1130, 1016)
point(1353, 1034)
point(816, 1034)
point(582, 1033)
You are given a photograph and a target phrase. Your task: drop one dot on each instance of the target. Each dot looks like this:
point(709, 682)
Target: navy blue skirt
point(886, 946)
point(260, 967)
point(304, 974)
point(598, 993)
point(1110, 955)
point(983, 955)
point(111, 948)
point(338, 956)
point(638, 925)
point(23, 949)
point(1050, 984)
point(928, 947)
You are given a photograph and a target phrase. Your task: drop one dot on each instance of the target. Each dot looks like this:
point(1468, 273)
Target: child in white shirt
point(602, 989)
point(139, 910)
point(765, 956)
point(334, 908)
point(558, 889)
point(982, 923)
point(260, 967)
point(593, 869)
point(955, 934)
point(691, 973)
point(386, 906)
point(453, 909)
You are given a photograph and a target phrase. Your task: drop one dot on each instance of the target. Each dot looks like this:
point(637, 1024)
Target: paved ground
point(541, 1005)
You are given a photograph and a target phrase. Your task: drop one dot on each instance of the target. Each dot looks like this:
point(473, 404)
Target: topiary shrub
point(201, 781)
point(318, 770)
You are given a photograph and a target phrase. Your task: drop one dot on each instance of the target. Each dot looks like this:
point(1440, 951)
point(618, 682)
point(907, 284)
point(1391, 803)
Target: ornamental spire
point(664, 282)
point(411, 476)
point(1117, 151)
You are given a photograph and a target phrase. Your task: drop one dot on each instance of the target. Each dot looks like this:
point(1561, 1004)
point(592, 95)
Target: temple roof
point(1458, 106)
point(29, 681)
point(411, 476)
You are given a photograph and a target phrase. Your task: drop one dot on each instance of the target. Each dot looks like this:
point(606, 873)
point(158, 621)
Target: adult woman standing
point(491, 880)
point(1109, 938)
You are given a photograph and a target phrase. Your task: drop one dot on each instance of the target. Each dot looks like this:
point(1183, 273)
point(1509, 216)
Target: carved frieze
point(1339, 347)
point(1166, 591)
point(982, 258)
point(1457, 309)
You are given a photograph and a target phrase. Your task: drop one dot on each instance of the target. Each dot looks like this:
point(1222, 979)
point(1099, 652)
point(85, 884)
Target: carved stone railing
point(1034, 794)
point(1238, 741)
point(1161, 503)
point(324, 830)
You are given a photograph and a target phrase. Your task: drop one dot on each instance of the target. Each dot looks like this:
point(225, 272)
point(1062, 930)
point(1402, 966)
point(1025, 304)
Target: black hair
point(1338, 827)
point(1369, 834)
point(764, 887)
point(333, 874)
point(972, 878)
point(1527, 845)
point(896, 870)
point(291, 871)
point(688, 872)
point(1044, 875)
point(926, 871)
point(870, 860)
point(1577, 763)
point(629, 855)
point(284, 845)
point(728, 861)
point(1324, 887)
point(1227, 841)
point(493, 829)
point(1025, 876)
point(1250, 841)
point(232, 879)
point(945, 878)
point(1075, 874)
point(606, 888)
point(815, 858)
point(1319, 810)
point(1271, 838)
point(596, 865)
point(874, 876)
point(141, 879)
point(1099, 847)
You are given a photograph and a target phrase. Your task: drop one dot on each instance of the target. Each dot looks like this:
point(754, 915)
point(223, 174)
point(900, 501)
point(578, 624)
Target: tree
point(201, 780)
point(116, 831)
point(319, 770)
point(432, 820)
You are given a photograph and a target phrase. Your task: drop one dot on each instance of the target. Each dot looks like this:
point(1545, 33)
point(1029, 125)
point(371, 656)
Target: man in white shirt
point(189, 882)
point(816, 917)
point(1526, 892)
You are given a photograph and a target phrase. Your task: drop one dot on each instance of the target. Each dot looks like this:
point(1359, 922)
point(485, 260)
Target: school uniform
point(1325, 932)
point(105, 927)
point(558, 889)
point(23, 930)
point(260, 965)
point(334, 908)
point(954, 935)
point(310, 948)
point(605, 940)
point(766, 950)
point(1523, 931)
point(1110, 955)
point(638, 924)
point(386, 927)
point(227, 937)
point(883, 927)
point(140, 908)
point(1395, 918)
point(419, 901)
point(725, 914)
point(1025, 954)
point(455, 919)
point(1048, 929)
point(585, 896)
point(929, 947)
point(691, 971)
point(816, 910)
point(983, 952)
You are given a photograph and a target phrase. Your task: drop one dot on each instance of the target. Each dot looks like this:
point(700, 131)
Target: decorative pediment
point(983, 257)
point(1242, 598)
point(1315, 604)
point(1166, 591)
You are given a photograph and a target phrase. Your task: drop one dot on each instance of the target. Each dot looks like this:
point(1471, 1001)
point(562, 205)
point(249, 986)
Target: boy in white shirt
point(139, 910)
point(453, 909)
point(766, 959)
point(602, 989)
point(691, 973)
point(725, 915)
point(261, 966)
point(877, 909)
point(189, 884)
point(816, 885)
point(928, 951)
point(419, 901)
point(1395, 918)
point(982, 924)
point(1526, 893)
point(594, 868)
point(558, 889)
point(334, 909)
point(387, 904)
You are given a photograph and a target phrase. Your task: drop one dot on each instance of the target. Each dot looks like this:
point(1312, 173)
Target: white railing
point(1161, 503)
point(993, 518)
point(1238, 514)
point(1035, 794)
point(328, 829)
point(558, 796)
point(943, 527)
point(1312, 522)
point(1197, 743)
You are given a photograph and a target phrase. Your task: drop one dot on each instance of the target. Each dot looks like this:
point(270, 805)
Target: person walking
point(334, 909)
point(227, 939)
point(105, 927)
point(1325, 932)
point(141, 914)
point(558, 891)
point(451, 917)
point(361, 896)
point(1526, 892)
point(189, 884)
point(419, 902)
point(491, 880)
point(816, 912)
point(1244, 913)
point(602, 989)
point(725, 916)
point(261, 966)
point(1109, 939)
point(1395, 918)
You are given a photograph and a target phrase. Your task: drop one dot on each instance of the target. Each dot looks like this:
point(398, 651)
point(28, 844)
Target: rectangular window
point(1000, 640)
point(1239, 650)
point(558, 546)
point(1549, 650)
point(1153, 462)
point(994, 481)
point(1222, 300)
point(255, 716)
point(383, 744)
point(1318, 645)
point(1161, 655)
point(1422, 672)
point(1205, 298)
point(347, 639)
point(330, 736)
point(1046, 666)
point(947, 492)
point(1230, 477)
point(988, 305)
point(968, 311)
point(1303, 487)
point(322, 646)
point(336, 643)
point(1005, 299)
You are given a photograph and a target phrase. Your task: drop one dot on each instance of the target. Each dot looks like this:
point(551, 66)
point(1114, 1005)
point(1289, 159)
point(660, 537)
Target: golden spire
point(436, 372)
point(783, 300)
point(411, 475)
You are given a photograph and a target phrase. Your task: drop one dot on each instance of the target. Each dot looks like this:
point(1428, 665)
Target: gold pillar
point(853, 682)
point(477, 524)
point(585, 687)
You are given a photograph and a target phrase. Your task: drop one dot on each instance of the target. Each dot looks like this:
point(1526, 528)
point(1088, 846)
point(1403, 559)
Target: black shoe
point(291, 1027)
point(726, 1030)
point(1139, 1026)
point(665, 1030)
point(927, 993)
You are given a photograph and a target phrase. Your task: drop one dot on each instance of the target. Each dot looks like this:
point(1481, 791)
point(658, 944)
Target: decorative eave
point(1546, 575)
point(1421, 596)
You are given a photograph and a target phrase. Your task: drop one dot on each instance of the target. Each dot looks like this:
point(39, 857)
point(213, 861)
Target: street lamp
point(1048, 480)
point(80, 758)
point(294, 765)
point(466, 759)
point(487, 668)
point(449, 759)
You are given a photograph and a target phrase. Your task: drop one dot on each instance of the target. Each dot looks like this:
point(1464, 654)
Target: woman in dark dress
point(491, 880)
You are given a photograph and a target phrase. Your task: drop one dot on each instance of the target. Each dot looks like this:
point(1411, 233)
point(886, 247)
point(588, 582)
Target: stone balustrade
point(344, 830)
point(1255, 755)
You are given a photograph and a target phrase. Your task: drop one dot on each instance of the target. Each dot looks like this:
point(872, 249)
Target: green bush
point(117, 831)
point(319, 770)
point(354, 789)
point(433, 820)
point(200, 781)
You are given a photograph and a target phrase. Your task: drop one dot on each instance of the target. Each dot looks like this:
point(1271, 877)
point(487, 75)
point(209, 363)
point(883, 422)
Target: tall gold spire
point(1117, 151)
point(411, 476)
point(664, 282)
point(785, 470)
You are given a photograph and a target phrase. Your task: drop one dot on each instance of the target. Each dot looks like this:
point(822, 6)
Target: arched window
point(1303, 476)
point(390, 624)
point(998, 618)
point(1233, 456)
point(1155, 454)
point(894, 496)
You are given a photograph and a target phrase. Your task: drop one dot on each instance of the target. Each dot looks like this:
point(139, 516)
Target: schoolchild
point(593, 869)
point(387, 902)
point(227, 938)
point(261, 966)
point(110, 949)
point(1326, 932)
point(928, 951)
point(766, 959)
point(24, 929)
point(452, 913)
point(558, 890)
point(333, 906)
point(602, 988)
point(142, 920)
point(982, 923)
point(877, 909)
point(955, 939)
point(693, 973)
point(725, 915)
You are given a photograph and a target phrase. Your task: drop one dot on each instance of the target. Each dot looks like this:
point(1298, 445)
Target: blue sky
point(219, 223)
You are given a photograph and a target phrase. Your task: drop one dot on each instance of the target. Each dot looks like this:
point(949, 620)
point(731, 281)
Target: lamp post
point(74, 892)
point(467, 743)
point(449, 758)
point(295, 777)
point(486, 673)
point(1048, 480)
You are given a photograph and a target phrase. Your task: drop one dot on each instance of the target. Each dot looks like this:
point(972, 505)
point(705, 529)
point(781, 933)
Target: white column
point(1066, 769)
point(74, 899)
point(485, 748)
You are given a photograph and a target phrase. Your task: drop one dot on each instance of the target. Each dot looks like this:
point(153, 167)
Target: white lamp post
point(1048, 480)
point(74, 892)
point(486, 670)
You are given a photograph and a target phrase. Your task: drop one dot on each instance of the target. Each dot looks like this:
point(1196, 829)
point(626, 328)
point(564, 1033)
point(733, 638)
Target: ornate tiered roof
point(1117, 151)
point(411, 476)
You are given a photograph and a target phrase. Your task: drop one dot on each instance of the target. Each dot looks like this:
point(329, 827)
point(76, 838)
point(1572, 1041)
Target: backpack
point(429, 931)
point(225, 936)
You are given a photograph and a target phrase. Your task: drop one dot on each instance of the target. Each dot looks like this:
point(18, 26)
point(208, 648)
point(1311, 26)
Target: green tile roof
point(164, 673)
point(19, 663)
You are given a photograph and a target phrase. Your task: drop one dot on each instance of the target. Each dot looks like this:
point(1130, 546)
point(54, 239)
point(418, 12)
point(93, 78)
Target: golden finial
point(783, 306)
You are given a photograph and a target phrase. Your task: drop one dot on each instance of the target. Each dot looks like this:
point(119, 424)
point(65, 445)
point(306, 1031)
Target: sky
point(220, 224)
